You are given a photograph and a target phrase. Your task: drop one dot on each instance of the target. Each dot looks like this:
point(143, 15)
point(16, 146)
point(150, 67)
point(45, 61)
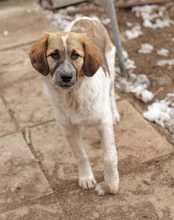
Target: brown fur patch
point(92, 59)
point(37, 54)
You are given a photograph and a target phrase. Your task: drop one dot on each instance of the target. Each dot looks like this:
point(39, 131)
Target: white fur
point(91, 102)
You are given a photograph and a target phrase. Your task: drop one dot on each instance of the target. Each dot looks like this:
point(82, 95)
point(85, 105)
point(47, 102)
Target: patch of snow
point(147, 96)
point(60, 19)
point(146, 48)
point(125, 54)
point(170, 95)
point(164, 62)
point(147, 23)
point(106, 21)
point(135, 32)
point(163, 52)
point(144, 11)
point(130, 64)
point(137, 84)
point(5, 33)
point(162, 113)
point(129, 24)
point(70, 8)
point(153, 16)
point(100, 191)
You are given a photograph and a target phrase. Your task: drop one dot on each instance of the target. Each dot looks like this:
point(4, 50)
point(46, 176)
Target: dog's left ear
point(37, 54)
point(92, 58)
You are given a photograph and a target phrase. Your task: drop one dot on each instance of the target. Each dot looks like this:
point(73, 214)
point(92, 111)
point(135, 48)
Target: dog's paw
point(114, 189)
point(87, 183)
point(112, 181)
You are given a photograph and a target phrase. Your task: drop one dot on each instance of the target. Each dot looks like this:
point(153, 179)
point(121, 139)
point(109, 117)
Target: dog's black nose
point(66, 77)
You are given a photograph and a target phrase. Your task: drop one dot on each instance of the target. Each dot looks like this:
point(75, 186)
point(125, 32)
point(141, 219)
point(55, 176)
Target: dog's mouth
point(66, 86)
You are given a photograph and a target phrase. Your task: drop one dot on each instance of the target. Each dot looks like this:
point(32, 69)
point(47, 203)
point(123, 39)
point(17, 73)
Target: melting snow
point(100, 191)
point(134, 32)
point(153, 16)
point(162, 113)
point(164, 62)
point(145, 48)
point(163, 52)
point(136, 84)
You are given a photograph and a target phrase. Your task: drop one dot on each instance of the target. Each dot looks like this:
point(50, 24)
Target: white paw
point(87, 183)
point(114, 188)
point(112, 181)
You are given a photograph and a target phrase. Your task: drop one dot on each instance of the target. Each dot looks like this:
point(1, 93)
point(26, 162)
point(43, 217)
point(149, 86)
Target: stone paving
point(33, 152)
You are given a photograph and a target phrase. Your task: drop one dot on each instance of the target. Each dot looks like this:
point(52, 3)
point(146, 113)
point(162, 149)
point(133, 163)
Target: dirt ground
point(86, 204)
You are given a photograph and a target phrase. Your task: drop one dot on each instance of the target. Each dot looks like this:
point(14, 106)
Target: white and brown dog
point(78, 69)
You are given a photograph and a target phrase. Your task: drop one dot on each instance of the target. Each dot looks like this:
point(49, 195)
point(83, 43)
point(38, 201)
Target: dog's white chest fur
point(85, 104)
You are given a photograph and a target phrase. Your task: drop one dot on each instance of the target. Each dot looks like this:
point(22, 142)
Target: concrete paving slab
point(24, 20)
point(5, 120)
point(28, 102)
point(53, 151)
point(34, 212)
point(136, 140)
point(15, 66)
point(21, 178)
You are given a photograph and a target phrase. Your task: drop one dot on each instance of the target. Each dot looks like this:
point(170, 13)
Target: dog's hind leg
point(110, 57)
point(86, 177)
point(110, 156)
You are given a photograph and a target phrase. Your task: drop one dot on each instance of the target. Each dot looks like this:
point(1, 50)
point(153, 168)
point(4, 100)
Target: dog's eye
point(75, 56)
point(55, 56)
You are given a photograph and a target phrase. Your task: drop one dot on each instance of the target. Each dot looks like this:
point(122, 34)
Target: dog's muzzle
point(65, 75)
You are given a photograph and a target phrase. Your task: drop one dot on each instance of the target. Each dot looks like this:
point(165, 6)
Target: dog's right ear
point(37, 54)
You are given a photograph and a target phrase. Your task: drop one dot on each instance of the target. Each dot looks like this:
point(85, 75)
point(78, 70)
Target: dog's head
point(66, 56)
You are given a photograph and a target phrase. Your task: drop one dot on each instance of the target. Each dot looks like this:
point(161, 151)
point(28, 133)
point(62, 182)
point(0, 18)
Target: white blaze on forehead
point(64, 42)
point(67, 66)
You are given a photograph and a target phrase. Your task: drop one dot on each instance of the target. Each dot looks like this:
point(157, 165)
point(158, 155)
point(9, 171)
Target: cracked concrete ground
point(38, 175)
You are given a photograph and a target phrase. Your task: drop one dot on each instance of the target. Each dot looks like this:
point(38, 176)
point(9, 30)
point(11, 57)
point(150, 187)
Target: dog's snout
point(66, 77)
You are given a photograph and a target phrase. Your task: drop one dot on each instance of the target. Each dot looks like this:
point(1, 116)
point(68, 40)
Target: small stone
point(147, 182)
point(19, 187)
point(169, 68)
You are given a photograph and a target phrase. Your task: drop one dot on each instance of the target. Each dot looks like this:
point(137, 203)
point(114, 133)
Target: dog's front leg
point(86, 178)
point(110, 156)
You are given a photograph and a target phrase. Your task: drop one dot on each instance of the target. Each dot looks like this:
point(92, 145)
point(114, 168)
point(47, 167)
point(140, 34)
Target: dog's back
point(97, 33)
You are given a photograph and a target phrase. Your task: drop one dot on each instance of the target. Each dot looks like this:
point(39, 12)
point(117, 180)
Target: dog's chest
point(84, 105)
point(80, 107)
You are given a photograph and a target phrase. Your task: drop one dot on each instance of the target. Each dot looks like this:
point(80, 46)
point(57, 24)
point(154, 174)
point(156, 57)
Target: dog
point(78, 69)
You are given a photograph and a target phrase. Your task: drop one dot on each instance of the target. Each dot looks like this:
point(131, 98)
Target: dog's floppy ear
point(37, 54)
point(92, 60)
